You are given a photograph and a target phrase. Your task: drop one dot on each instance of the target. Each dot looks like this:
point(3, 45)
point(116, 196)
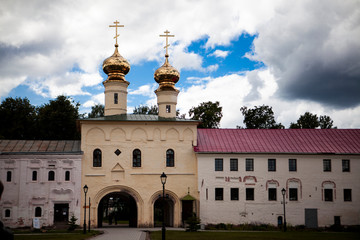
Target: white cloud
point(145, 90)
point(220, 53)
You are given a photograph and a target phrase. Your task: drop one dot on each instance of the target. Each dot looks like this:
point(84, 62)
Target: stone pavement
point(126, 233)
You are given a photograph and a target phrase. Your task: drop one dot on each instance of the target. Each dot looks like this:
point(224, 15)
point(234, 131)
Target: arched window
point(34, 176)
point(7, 213)
point(97, 158)
point(136, 158)
point(51, 176)
point(67, 176)
point(8, 176)
point(170, 158)
point(38, 212)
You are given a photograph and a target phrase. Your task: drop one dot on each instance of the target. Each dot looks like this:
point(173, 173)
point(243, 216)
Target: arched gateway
point(118, 206)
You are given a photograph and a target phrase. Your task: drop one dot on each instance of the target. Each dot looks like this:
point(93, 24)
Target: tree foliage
point(260, 117)
point(208, 113)
point(97, 111)
point(17, 119)
point(312, 121)
point(143, 109)
point(57, 119)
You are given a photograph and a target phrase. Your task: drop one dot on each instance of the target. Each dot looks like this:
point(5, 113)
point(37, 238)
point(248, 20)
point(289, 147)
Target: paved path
point(127, 233)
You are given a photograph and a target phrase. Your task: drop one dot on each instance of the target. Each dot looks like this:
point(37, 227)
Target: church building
point(125, 154)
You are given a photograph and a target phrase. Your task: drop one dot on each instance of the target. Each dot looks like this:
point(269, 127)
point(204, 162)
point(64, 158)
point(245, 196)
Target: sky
point(293, 55)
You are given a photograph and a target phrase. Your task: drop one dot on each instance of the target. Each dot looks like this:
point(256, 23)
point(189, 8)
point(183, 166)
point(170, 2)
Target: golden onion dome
point(166, 75)
point(116, 67)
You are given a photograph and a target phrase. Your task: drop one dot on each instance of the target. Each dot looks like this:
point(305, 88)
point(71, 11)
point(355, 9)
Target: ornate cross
point(167, 37)
point(116, 28)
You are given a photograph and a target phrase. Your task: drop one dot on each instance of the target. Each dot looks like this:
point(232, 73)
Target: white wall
point(261, 210)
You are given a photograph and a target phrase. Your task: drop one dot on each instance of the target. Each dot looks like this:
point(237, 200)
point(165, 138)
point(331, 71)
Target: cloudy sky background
point(295, 56)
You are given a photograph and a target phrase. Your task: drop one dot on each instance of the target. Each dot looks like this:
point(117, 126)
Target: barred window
point(218, 164)
point(271, 165)
point(233, 164)
point(170, 158)
point(136, 158)
point(97, 158)
point(292, 165)
point(249, 164)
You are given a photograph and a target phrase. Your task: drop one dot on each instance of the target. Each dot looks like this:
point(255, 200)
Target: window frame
point(272, 194)
point(271, 165)
point(67, 175)
point(328, 194)
point(7, 213)
point(293, 194)
point(219, 194)
point(327, 165)
point(292, 165)
point(51, 176)
point(97, 158)
point(249, 164)
point(8, 176)
point(38, 212)
point(234, 164)
point(170, 158)
point(347, 195)
point(250, 194)
point(34, 175)
point(234, 194)
point(345, 163)
point(116, 98)
point(219, 164)
point(136, 155)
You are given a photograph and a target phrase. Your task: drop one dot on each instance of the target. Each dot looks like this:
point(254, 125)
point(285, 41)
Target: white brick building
point(242, 172)
point(41, 179)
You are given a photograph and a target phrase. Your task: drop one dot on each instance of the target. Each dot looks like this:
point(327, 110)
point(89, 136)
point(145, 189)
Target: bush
point(193, 224)
point(72, 223)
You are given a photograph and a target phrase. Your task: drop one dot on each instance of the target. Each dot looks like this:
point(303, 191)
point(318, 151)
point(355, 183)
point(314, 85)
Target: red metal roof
point(305, 141)
point(39, 146)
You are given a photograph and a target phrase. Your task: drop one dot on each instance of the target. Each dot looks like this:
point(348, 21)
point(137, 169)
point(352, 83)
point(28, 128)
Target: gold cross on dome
point(167, 37)
point(116, 30)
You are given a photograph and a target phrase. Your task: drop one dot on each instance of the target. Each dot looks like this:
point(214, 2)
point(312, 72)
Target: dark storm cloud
point(313, 50)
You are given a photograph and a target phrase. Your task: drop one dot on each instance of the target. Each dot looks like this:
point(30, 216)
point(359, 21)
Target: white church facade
point(230, 176)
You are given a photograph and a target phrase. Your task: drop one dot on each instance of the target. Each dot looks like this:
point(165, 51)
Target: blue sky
point(241, 53)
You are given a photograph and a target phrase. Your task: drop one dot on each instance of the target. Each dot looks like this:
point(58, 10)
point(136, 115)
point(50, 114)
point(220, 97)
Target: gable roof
point(40, 147)
point(299, 141)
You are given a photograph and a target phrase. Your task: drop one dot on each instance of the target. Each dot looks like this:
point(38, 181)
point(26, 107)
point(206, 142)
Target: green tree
point(312, 121)
point(17, 119)
point(143, 109)
point(96, 111)
point(208, 113)
point(260, 117)
point(57, 119)
point(326, 122)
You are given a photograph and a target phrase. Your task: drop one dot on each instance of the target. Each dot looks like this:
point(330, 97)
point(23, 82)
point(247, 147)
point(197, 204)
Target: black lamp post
point(85, 191)
point(283, 191)
point(89, 216)
point(163, 181)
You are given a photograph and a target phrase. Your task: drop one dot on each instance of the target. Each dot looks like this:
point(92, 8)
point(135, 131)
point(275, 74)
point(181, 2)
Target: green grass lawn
point(209, 235)
point(56, 236)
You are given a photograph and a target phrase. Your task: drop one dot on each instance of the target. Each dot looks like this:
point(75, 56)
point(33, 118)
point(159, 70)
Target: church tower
point(116, 67)
point(167, 76)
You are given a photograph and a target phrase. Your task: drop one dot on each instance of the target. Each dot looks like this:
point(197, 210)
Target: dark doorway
point(311, 218)
point(169, 212)
point(187, 210)
point(61, 212)
point(117, 209)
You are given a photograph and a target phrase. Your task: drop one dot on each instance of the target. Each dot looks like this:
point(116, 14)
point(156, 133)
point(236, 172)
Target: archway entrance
point(117, 209)
point(169, 212)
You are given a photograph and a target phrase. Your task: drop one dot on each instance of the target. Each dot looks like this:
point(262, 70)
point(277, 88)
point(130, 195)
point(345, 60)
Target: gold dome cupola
point(116, 67)
point(167, 76)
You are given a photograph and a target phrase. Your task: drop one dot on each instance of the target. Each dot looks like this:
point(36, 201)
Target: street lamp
point(85, 191)
point(283, 191)
point(163, 181)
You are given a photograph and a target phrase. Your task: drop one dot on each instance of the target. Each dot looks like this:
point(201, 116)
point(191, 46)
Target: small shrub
point(193, 223)
point(72, 223)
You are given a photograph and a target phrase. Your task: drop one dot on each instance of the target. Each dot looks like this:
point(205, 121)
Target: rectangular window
point(250, 194)
point(293, 194)
point(292, 165)
point(272, 194)
point(218, 164)
point(346, 165)
point(328, 194)
point(327, 165)
point(168, 108)
point(233, 164)
point(34, 176)
point(207, 194)
point(347, 195)
point(234, 193)
point(249, 164)
point(219, 194)
point(8, 176)
point(271, 165)
point(116, 98)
